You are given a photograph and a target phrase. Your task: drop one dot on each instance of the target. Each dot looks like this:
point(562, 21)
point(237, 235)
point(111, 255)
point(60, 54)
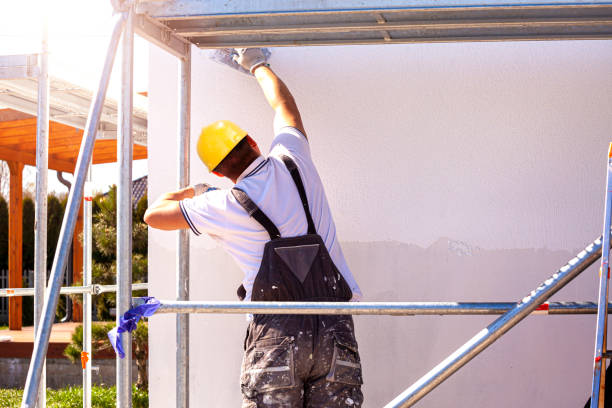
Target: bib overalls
point(293, 361)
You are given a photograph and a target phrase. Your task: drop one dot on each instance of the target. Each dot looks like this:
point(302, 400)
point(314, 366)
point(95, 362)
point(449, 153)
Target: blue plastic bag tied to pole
point(129, 321)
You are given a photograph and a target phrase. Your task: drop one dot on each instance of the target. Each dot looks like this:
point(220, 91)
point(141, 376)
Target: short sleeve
point(293, 140)
point(202, 212)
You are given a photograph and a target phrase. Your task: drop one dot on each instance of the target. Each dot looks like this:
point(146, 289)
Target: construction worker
point(277, 224)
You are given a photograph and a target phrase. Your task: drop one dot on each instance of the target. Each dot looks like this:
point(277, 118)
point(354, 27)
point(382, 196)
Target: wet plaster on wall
point(534, 357)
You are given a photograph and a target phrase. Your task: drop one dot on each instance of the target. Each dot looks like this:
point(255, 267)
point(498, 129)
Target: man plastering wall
point(277, 224)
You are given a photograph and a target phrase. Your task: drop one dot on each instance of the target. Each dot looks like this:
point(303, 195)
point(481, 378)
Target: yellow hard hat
point(217, 140)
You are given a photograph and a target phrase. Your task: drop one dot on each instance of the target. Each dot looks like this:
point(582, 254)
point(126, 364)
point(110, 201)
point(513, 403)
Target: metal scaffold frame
point(43, 330)
point(174, 25)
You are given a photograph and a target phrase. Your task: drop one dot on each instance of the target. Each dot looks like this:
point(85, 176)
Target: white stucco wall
point(465, 172)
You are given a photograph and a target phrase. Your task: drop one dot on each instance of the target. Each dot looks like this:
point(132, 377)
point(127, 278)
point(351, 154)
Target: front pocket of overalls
point(346, 365)
point(269, 365)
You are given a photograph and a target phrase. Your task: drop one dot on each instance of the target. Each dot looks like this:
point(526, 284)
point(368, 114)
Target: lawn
point(72, 397)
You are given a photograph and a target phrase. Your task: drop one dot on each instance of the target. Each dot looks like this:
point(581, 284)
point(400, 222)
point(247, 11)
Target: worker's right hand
point(250, 58)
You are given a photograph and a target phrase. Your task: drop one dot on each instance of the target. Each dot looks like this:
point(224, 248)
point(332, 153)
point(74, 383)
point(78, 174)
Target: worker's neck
point(242, 167)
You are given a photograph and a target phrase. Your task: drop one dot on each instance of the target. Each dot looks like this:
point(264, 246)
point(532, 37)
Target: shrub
point(104, 236)
point(100, 342)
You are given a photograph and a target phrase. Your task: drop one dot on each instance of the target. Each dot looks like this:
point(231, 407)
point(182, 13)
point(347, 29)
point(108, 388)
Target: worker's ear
point(253, 144)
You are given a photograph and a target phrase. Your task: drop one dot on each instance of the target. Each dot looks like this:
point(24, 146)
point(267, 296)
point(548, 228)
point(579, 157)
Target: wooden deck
point(20, 343)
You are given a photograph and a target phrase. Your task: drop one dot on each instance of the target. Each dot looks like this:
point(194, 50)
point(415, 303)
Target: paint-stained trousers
point(295, 361)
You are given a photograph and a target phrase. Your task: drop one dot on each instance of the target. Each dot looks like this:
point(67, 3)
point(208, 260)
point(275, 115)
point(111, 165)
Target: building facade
point(456, 172)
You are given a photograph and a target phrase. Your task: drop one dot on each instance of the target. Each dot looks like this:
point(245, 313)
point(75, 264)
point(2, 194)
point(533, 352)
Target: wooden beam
point(26, 142)
point(57, 141)
point(102, 155)
point(66, 155)
point(29, 158)
point(98, 152)
point(61, 165)
point(106, 156)
point(70, 149)
point(15, 242)
point(17, 123)
point(140, 153)
point(64, 158)
point(18, 131)
point(30, 130)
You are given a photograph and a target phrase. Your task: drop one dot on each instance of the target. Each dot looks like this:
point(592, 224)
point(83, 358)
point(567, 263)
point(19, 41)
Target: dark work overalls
point(293, 361)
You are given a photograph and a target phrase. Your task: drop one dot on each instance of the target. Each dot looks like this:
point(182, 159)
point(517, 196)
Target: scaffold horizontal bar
point(71, 290)
point(368, 308)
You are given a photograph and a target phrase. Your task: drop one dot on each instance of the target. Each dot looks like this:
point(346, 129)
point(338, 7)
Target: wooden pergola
point(18, 148)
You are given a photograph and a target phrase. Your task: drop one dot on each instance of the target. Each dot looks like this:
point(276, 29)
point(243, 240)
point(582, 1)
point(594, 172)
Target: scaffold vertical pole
point(42, 169)
point(124, 210)
point(62, 251)
point(597, 390)
point(182, 267)
point(87, 356)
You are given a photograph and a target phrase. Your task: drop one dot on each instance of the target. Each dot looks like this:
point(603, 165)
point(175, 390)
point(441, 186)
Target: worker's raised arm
point(279, 97)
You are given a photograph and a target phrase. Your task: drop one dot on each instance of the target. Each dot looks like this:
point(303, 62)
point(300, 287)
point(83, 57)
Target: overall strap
point(295, 174)
point(253, 210)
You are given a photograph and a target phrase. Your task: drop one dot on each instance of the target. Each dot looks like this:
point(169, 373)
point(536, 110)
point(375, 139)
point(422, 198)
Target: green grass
point(3, 327)
point(72, 397)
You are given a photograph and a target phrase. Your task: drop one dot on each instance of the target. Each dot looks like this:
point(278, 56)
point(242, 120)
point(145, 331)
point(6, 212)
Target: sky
point(79, 31)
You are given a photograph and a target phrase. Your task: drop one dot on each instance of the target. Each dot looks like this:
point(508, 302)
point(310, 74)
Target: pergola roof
point(18, 143)
point(69, 105)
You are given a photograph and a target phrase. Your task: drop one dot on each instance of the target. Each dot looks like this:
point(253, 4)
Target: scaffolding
point(174, 25)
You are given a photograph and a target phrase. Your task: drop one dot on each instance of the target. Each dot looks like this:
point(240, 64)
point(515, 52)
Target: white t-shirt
point(269, 184)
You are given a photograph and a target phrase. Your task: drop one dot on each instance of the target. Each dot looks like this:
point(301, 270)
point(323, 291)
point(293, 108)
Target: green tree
point(28, 234)
point(104, 231)
point(55, 216)
point(27, 247)
point(55, 213)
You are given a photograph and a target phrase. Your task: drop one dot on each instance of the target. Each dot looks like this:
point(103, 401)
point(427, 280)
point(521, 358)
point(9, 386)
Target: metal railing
point(370, 308)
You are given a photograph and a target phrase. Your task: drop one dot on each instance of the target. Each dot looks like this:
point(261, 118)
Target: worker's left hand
point(250, 58)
